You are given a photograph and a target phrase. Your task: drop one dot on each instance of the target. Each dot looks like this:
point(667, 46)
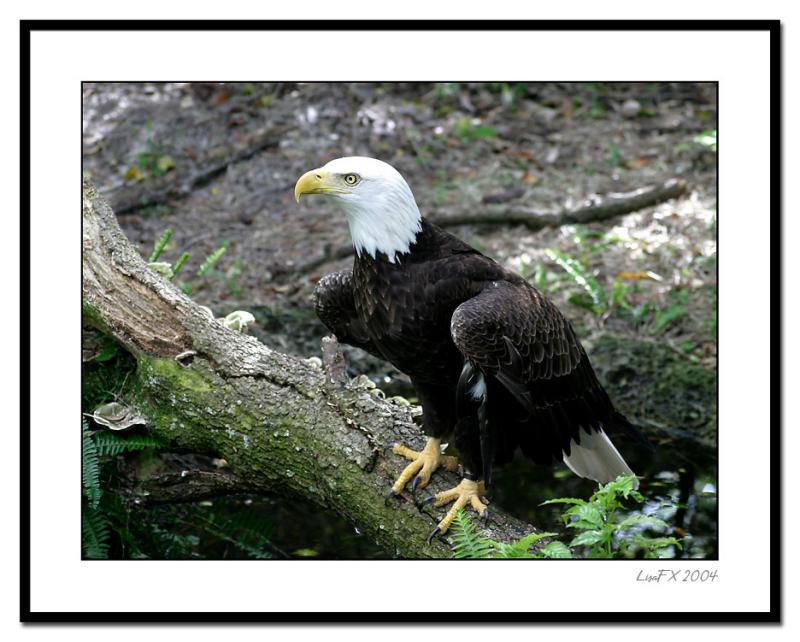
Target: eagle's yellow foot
point(423, 464)
point(467, 492)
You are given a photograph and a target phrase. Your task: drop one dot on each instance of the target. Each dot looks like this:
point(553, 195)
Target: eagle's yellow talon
point(423, 464)
point(467, 492)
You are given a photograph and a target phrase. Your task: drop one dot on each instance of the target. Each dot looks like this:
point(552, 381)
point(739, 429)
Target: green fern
point(467, 543)
point(178, 264)
point(521, 548)
point(111, 444)
point(160, 244)
point(91, 467)
point(211, 260)
point(100, 515)
point(95, 534)
point(245, 530)
point(605, 528)
point(582, 278)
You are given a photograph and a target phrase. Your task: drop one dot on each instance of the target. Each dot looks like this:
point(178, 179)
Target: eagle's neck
point(388, 222)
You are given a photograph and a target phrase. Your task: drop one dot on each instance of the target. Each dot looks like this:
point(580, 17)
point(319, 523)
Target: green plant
point(211, 260)
point(707, 139)
point(606, 529)
point(97, 517)
point(597, 301)
point(614, 156)
point(469, 544)
point(95, 527)
point(676, 309)
point(169, 271)
point(469, 131)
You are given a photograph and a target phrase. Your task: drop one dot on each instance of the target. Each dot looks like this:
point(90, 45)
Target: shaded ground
point(646, 307)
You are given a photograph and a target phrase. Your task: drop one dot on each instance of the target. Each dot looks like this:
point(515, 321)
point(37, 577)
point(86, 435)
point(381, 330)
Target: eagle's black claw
point(389, 446)
point(390, 495)
point(414, 483)
point(424, 502)
point(486, 517)
point(433, 534)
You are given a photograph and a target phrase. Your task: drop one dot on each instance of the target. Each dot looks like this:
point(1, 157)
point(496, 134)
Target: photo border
point(773, 27)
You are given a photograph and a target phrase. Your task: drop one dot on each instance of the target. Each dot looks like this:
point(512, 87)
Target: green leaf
point(107, 353)
point(707, 139)
point(637, 519)
point(91, 467)
point(622, 485)
point(467, 543)
point(587, 538)
point(95, 533)
point(305, 552)
point(159, 246)
point(112, 444)
point(178, 264)
point(586, 516)
point(165, 163)
point(564, 500)
point(556, 550)
point(666, 316)
point(519, 549)
point(211, 260)
point(581, 277)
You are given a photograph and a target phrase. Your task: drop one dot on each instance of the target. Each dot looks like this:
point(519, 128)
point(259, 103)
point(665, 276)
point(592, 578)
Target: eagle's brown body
point(492, 359)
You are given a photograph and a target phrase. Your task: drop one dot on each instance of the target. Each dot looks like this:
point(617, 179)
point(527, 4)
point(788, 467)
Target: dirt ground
point(547, 146)
point(230, 154)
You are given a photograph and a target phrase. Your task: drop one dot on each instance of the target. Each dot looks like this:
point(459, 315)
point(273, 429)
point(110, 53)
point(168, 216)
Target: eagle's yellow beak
point(315, 182)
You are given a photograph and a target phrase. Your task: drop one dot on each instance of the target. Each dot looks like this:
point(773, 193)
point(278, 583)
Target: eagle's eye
point(351, 179)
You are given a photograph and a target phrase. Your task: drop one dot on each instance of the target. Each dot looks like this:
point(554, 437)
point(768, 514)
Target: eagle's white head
point(381, 211)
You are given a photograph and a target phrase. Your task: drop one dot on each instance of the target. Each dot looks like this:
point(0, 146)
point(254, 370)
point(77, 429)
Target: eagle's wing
point(333, 299)
point(514, 334)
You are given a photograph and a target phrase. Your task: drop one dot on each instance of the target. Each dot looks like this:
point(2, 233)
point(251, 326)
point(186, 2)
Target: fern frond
point(91, 467)
point(252, 542)
point(178, 264)
point(467, 543)
point(519, 549)
point(211, 260)
point(160, 244)
point(109, 443)
point(95, 534)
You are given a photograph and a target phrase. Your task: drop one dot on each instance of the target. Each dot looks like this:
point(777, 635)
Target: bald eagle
point(495, 365)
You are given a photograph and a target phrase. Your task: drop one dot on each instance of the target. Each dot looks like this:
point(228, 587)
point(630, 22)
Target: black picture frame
point(773, 27)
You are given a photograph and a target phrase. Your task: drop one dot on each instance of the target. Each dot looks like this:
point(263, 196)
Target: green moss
point(90, 316)
point(175, 375)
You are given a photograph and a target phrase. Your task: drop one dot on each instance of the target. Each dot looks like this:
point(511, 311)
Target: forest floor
point(217, 163)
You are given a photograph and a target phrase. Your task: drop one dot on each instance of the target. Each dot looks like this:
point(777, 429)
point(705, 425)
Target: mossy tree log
point(283, 424)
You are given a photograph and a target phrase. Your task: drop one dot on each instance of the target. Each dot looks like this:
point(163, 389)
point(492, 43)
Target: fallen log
point(601, 210)
point(189, 173)
point(283, 425)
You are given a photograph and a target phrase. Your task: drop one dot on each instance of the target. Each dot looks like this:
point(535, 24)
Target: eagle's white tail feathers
point(596, 458)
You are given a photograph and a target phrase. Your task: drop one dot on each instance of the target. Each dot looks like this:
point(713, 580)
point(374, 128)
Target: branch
point(533, 219)
point(182, 179)
point(602, 210)
point(283, 424)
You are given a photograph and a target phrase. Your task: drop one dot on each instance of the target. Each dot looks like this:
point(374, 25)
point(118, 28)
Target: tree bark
point(283, 424)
